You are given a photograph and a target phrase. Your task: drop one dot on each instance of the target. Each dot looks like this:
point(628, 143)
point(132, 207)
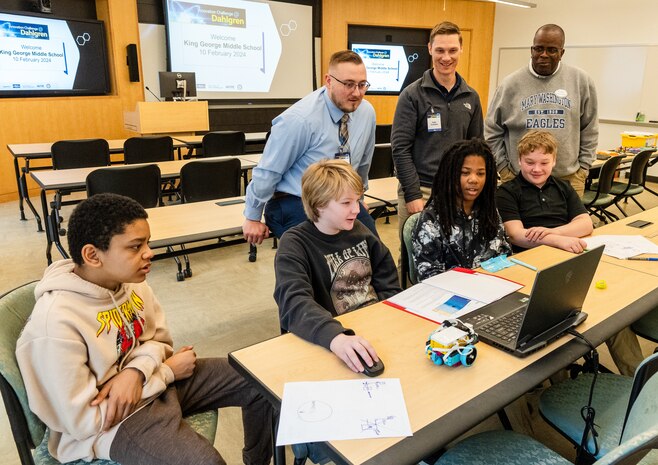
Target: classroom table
point(193, 222)
point(382, 195)
point(76, 179)
point(195, 141)
point(444, 402)
point(37, 151)
point(621, 228)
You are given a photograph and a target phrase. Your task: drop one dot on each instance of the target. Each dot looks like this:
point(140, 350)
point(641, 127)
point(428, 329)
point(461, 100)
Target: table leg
point(20, 189)
point(24, 194)
point(279, 451)
point(49, 228)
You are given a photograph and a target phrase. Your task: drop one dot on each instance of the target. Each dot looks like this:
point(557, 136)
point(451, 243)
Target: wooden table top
point(434, 402)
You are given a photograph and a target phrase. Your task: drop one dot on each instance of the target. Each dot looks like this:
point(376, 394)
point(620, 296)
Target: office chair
point(207, 180)
point(636, 180)
point(70, 154)
point(597, 198)
point(149, 149)
point(383, 133)
point(30, 434)
point(647, 327)
point(407, 263)
point(220, 143)
point(141, 183)
point(633, 435)
point(381, 165)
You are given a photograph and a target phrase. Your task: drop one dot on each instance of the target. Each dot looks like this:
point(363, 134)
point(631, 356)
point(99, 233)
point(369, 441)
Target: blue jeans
point(285, 212)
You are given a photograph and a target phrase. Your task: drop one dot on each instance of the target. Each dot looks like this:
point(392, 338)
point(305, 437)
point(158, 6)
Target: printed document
point(348, 409)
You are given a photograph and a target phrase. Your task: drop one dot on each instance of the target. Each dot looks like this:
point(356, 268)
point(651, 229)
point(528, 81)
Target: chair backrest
point(68, 154)
point(28, 431)
point(638, 172)
point(220, 143)
point(382, 163)
point(383, 133)
point(210, 179)
point(640, 433)
point(406, 250)
point(141, 183)
point(606, 176)
point(148, 149)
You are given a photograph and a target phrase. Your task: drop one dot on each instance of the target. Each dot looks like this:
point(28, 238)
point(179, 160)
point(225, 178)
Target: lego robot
point(452, 344)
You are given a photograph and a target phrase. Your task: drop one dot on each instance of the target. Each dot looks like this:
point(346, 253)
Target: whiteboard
point(621, 75)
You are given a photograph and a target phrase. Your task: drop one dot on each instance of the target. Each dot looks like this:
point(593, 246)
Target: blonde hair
point(325, 181)
point(533, 140)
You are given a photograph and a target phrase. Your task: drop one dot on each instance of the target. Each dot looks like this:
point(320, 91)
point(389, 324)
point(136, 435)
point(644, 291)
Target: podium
point(183, 118)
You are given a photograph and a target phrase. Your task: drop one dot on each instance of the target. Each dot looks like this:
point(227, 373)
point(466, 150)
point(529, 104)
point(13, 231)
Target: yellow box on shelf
point(638, 139)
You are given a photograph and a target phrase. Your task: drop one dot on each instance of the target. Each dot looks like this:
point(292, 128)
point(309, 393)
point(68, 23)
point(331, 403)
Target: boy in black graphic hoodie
point(331, 264)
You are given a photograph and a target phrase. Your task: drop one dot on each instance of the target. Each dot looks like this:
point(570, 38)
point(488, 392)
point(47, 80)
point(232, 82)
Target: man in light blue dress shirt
point(309, 131)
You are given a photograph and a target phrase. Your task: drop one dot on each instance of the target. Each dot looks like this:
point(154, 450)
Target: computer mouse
point(375, 370)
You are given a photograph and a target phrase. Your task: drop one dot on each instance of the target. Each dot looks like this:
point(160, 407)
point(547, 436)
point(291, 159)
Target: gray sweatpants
point(158, 435)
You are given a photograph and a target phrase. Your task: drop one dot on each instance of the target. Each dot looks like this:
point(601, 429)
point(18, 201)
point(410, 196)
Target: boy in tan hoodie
point(98, 362)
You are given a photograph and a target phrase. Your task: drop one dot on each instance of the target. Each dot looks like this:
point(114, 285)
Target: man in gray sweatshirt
point(549, 95)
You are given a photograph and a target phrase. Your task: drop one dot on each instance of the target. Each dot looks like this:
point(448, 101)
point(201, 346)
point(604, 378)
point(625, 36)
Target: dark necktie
point(343, 133)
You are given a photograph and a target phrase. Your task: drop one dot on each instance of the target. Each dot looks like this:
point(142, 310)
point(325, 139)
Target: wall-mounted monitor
point(394, 57)
point(45, 56)
point(177, 85)
point(242, 49)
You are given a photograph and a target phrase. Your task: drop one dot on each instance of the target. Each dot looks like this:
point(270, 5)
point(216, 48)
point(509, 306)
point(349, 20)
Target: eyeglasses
point(351, 85)
point(539, 49)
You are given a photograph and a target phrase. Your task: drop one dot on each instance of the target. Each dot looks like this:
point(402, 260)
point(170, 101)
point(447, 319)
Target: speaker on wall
point(133, 62)
point(44, 6)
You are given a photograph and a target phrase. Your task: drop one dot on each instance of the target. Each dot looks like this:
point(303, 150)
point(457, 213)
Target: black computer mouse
point(375, 370)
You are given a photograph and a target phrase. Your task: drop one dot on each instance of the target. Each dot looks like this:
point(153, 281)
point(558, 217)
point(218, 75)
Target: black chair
point(220, 143)
point(597, 198)
point(141, 183)
point(208, 180)
point(383, 133)
point(382, 164)
point(149, 149)
point(636, 180)
point(70, 154)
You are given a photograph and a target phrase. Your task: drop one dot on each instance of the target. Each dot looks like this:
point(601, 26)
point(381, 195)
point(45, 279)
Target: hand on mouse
point(345, 347)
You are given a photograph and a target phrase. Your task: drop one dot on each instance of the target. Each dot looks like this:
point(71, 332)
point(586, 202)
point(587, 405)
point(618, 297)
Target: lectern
point(182, 118)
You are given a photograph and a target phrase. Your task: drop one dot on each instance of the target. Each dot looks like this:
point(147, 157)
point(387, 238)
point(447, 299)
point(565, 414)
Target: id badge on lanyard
point(343, 154)
point(433, 120)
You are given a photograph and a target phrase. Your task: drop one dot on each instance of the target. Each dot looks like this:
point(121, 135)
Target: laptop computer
point(523, 324)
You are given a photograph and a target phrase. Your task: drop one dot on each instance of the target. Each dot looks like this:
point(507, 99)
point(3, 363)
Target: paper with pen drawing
point(348, 409)
point(622, 246)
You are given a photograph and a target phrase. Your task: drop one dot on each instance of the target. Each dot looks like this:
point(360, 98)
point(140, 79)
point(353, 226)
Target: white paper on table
point(433, 303)
point(474, 286)
point(348, 409)
point(622, 246)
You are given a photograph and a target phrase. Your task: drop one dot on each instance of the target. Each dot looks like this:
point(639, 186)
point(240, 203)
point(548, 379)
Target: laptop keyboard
point(506, 327)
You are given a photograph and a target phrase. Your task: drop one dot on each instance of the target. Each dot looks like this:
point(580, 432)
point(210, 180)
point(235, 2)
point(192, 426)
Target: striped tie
point(343, 133)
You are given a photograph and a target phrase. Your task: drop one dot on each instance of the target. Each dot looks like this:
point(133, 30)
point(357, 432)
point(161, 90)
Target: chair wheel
point(180, 276)
point(62, 232)
point(252, 257)
point(187, 272)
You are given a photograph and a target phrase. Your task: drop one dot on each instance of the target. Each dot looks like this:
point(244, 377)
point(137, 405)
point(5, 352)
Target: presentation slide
point(242, 48)
point(43, 55)
point(392, 67)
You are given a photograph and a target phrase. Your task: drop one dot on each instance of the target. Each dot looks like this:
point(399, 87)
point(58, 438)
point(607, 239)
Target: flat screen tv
point(241, 49)
point(177, 85)
point(46, 56)
point(394, 56)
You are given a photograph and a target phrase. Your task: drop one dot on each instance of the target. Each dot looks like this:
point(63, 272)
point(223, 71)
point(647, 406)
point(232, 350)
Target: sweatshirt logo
point(543, 98)
point(126, 313)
